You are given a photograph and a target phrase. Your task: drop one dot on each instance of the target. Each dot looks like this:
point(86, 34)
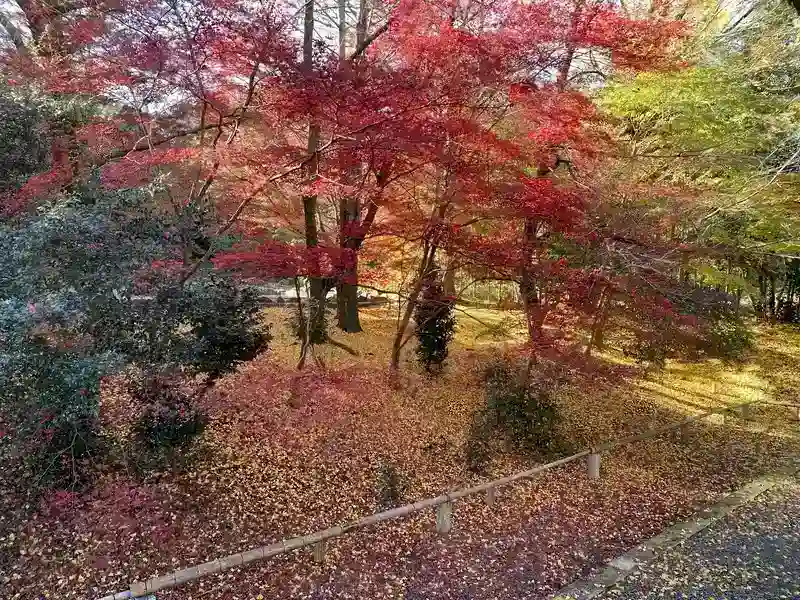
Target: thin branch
point(142, 145)
point(366, 43)
point(401, 295)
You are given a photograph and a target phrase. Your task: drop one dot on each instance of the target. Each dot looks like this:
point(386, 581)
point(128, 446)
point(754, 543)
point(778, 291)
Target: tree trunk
point(347, 308)
point(347, 287)
point(303, 326)
point(426, 266)
point(772, 297)
point(349, 208)
point(600, 342)
point(342, 30)
point(598, 323)
point(530, 296)
point(449, 279)
point(361, 25)
point(535, 312)
point(316, 300)
point(352, 238)
point(317, 288)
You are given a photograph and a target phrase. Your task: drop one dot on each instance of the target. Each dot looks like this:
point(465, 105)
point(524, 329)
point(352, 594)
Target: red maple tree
point(450, 127)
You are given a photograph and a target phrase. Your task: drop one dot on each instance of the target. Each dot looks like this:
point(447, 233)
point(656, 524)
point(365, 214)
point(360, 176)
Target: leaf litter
point(289, 453)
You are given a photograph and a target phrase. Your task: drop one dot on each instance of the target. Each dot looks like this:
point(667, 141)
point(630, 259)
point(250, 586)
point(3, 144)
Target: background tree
point(726, 128)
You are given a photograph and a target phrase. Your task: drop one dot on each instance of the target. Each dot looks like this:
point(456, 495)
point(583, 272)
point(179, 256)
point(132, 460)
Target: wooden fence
point(442, 504)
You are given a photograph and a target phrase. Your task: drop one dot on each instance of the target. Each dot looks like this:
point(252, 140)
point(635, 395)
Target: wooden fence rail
point(442, 504)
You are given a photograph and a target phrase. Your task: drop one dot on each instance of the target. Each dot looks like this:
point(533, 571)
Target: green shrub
point(49, 401)
point(170, 417)
point(519, 410)
point(80, 298)
point(652, 351)
point(728, 339)
point(62, 448)
point(221, 328)
point(525, 410)
point(24, 139)
point(225, 330)
point(478, 448)
point(390, 486)
point(436, 326)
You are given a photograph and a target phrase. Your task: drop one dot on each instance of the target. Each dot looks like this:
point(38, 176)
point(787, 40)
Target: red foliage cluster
point(103, 136)
point(445, 128)
point(277, 259)
point(134, 170)
point(44, 184)
point(117, 510)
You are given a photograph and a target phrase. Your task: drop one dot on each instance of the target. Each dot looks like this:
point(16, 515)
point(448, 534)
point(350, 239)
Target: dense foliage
point(24, 148)
point(520, 410)
point(83, 295)
point(725, 130)
point(523, 408)
point(626, 173)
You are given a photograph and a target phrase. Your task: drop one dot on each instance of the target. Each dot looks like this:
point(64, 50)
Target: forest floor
point(288, 453)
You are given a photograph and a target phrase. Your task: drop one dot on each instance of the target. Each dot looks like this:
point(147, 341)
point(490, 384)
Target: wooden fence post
point(319, 551)
point(444, 517)
point(593, 465)
point(490, 496)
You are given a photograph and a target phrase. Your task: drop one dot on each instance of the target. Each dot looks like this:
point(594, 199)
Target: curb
point(617, 569)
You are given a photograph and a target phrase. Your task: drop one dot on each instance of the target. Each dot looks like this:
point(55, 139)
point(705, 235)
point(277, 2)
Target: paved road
point(752, 554)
